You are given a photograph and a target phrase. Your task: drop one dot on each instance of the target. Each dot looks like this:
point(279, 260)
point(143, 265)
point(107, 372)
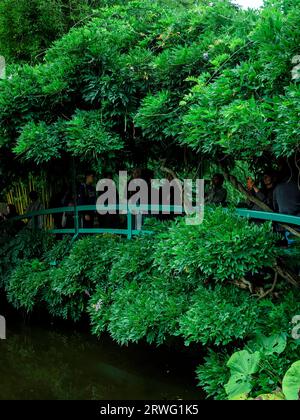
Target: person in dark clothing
point(60, 199)
point(67, 221)
point(286, 197)
point(87, 197)
point(265, 193)
point(11, 213)
point(35, 205)
point(217, 194)
point(110, 220)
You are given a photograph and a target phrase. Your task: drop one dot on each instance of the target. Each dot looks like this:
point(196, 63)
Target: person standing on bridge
point(287, 197)
point(35, 206)
point(265, 193)
point(217, 194)
point(11, 212)
point(87, 197)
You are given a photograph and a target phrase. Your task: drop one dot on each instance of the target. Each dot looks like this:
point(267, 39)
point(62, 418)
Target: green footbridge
point(130, 231)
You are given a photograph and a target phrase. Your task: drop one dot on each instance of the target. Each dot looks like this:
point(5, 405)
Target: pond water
point(61, 363)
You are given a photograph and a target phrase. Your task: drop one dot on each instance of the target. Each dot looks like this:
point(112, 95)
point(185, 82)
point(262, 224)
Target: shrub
point(64, 277)
point(252, 375)
point(27, 281)
point(76, 277)
point(26, 245)
point(260, 368)
point(138, 310)
point(133, 260)
point(90, 259)
point(219, 316)
point(59, 251)
point(223, 247)
point(276, 316)
point(213, 374)
point(152, 307)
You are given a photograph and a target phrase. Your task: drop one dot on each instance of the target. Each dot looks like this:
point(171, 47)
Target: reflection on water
point(36, 363)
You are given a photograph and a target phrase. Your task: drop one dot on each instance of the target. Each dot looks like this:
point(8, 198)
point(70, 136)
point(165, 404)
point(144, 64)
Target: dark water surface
point(61, 363)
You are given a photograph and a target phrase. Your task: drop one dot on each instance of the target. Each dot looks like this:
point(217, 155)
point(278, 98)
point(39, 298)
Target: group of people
point(87, 196)
point(279, 191)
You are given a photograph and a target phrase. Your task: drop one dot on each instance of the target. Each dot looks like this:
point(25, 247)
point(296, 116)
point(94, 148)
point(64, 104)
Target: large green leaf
point(242, 365)
point(270, 345)
point(238, 384)
point(291, 382)
point(244, 362)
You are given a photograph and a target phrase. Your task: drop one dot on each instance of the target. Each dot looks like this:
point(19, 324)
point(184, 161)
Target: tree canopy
point(106, 84)
point(211, 77)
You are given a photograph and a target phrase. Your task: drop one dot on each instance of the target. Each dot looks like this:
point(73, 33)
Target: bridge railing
point(119, 209)
point(128, 211)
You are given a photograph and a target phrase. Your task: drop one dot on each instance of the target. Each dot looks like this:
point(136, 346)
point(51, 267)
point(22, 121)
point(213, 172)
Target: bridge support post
point(129, 223)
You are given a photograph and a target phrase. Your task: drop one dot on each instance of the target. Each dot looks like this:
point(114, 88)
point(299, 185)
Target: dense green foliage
point(147, 267)
point(212, 252)
point(277, 351)
point(215, 78)
point(109, 84)
point(25, 246)
point(256, 370)
point(28, 28)
point(145, 289)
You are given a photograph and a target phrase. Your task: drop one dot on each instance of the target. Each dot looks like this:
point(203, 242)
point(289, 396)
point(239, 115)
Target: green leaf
point(270, 345)
point(244, 362)
point(241, 397)
point(238, 385)
point(291, 382)
point(242, 365)
point(271, 397)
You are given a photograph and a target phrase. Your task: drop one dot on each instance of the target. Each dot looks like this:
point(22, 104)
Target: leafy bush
point(223, 247)
point(219, 316)
point(58, 251)
point(65, 297)
point(26, 285)
point(270, 335)
point(62, 282)
point(213, 374)
point(254, 371)
point(42, 23)
point(76, 277)
point(133, 261)
point(136, 310)
point(276, 316)
point(26, 245)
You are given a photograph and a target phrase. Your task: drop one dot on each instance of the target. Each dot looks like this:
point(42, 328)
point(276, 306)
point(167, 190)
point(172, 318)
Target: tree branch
point(288, 275)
